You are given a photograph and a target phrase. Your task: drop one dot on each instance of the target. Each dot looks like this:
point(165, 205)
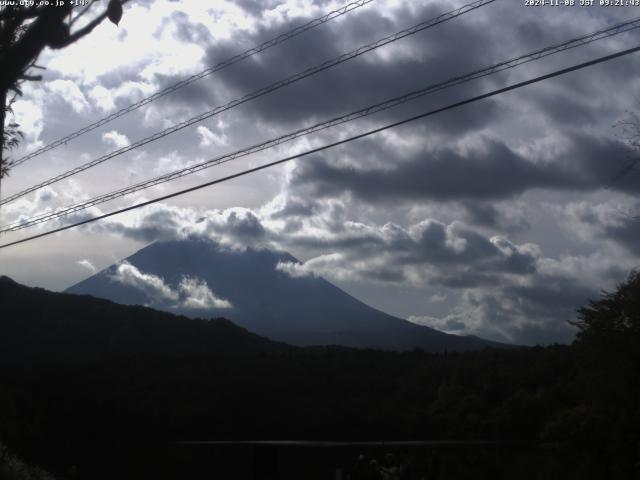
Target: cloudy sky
point(497, 219)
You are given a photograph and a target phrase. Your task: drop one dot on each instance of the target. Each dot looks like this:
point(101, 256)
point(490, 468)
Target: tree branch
point(87, 29)
point(84, 10)
point(74, 37)
point(22, 14)
point(32, 78)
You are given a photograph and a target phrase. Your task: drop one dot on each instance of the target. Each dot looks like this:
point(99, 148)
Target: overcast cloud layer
point(497, 219)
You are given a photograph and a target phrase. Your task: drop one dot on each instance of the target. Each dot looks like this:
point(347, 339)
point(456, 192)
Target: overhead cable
point(332, 145)
point(258, 93)
point(193, 78)
point(370, 110)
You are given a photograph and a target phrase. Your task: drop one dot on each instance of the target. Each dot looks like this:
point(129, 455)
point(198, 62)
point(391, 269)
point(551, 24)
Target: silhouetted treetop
point(615, 316)
point(26, 29)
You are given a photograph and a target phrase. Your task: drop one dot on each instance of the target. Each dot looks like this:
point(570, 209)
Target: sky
point(497, 219)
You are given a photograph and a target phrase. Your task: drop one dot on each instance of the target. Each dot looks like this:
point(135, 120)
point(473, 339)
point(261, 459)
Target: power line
point(193, 78)
point(258, 93)
point(387, 104)
point(335, 144)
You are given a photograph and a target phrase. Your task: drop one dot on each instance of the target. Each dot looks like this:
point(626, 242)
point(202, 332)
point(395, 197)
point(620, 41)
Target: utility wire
point(387, 104)
point(193, 78)
point(335, 144)
point(258, 93)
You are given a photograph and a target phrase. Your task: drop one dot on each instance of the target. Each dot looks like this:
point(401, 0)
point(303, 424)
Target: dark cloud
point(627, 234)
point(497, 216)
point(529, 314)
point(447, 50)
point(338, 240)
point(482, 213)
point(256, 7)
point(294, 207)
point(429, 252)
point(428, 57)
point(455, 244)
point(496, 172)
point(245, 226)
point(196, 97)
point(156, 224)
point(535, 312)
point(239, 227)
point(551, 296)
point(462, 279)
point(618, 223)
point(551, 302)
point(188, 31)
point(492, 172)
point(564, 109)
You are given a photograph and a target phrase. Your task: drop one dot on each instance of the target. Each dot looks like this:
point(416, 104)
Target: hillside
point(42, 326)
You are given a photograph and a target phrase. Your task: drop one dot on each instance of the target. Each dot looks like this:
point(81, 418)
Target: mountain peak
point(196, 277)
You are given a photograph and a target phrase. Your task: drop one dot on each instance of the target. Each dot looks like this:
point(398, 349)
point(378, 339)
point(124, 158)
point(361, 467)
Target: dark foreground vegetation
point(85, 382)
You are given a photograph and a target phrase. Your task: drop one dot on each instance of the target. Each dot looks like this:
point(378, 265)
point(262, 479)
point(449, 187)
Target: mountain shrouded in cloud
point(254, 289)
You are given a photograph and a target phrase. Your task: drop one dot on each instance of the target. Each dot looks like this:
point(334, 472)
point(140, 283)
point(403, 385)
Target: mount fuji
point(199, 279)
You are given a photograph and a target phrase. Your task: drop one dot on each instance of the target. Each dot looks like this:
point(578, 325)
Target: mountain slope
point(300, 311)
point(40, 326)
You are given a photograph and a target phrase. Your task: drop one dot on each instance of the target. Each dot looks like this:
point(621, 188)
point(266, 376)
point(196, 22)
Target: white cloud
point(437, 298)
point(69, 92)
point(451, 325)
point(132, 91)
point(30, 118)
point(139, 43)
point(102, 98)
point(208, 138)
point(171, 162)
point(87, 264)
point(115, 139)
point(153, 285)
point(45, 195)
point(191, 292)
point(319, 266)
point(199, 296)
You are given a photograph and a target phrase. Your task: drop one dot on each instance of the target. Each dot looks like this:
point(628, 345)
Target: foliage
point(27, 28)
point(614, 320)
point(83, 376)
point(12, 468)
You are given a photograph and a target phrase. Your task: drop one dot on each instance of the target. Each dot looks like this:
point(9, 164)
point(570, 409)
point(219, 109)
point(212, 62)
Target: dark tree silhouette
point(608, 362)
point(82, 379)
point(615, 318)
point(26, 30)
